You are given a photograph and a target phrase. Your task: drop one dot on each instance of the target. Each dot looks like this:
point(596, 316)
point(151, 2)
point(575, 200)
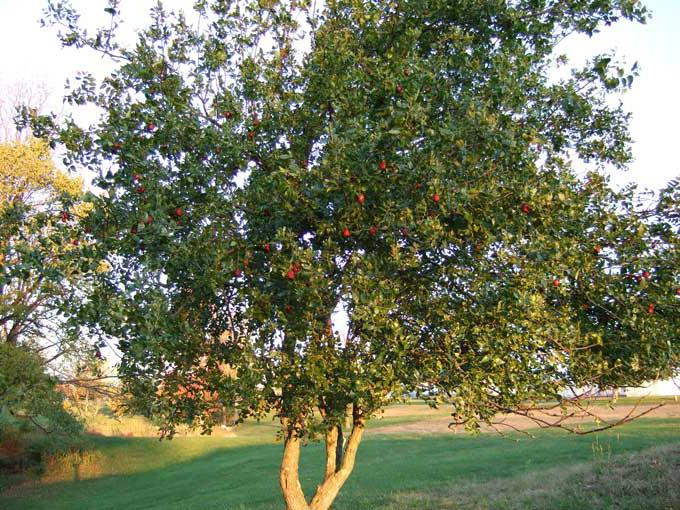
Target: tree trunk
point(329, 489)
point(333, 452)
point(288, 474)
point(339, 465)
point(339, 447)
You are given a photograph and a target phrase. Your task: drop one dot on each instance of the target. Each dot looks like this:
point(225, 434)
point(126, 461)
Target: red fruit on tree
point(117, 146)
point(373, 231)
point(267, 248)
point(650, 308)
point(556, 282)
point(296, 267)
point(345, 232)
point(436, 198)
point(251, 135)
point(179, 212)
point(64, 216)
point(141, 189)
point(597, 249)
point(383, 165)
point(149, 219)
point(677, 292)
point(400, 89)
point(361, 198)
point(526, 208)
point(151, 127)
point(75, 242)
point(291, 274)
point(418, 185)
point(288, 309)
point(646, 274)
point(227, 115)
point(137, 177)
point(237, 272)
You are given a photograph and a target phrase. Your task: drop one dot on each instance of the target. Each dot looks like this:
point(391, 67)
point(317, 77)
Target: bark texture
point(329, 489)
point(289, 474)
point(339, 465)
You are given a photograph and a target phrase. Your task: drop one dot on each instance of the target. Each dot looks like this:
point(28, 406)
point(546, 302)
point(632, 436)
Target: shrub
point(33, 422)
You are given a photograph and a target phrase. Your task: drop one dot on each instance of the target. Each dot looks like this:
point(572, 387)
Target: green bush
point(33, 421)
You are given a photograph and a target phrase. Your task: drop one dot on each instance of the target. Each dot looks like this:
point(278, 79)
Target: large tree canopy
point(263, 164)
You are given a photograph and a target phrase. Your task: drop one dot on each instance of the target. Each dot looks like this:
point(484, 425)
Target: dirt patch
point(394, 411)
point(434, 423)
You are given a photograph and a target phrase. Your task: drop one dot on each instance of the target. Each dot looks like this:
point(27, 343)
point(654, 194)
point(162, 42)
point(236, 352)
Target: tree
point(414, 167)
point(29, 394)
point(33, 421)
point(14, 95)
point(42, 270)
point(43, 276)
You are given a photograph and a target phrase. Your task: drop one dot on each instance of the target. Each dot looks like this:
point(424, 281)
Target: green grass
point(392, 473)
point(643, 480)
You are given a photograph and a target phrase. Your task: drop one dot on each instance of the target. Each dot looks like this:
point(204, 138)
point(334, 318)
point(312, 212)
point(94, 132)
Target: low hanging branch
point(570, 421)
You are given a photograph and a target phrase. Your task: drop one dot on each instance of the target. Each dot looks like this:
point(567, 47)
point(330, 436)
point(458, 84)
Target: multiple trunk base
point(340, 461)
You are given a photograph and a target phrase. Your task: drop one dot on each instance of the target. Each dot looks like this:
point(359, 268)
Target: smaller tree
point(30, 395)
point(33, 421)
point(43, 257)
point(34, 95)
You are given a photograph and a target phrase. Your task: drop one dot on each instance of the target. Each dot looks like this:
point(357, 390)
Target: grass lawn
point(638, 464)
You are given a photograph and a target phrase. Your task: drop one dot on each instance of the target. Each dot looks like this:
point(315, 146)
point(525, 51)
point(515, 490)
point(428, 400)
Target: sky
point(32, 54)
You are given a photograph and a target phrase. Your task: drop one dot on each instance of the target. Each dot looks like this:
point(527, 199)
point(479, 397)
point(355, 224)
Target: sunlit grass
point(392, 473)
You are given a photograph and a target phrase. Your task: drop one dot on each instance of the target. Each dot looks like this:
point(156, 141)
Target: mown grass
point(393, 472)
point(644, 480)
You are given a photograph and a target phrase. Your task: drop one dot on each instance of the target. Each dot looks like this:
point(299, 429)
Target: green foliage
point(29, 394)
point(413, 166)
point(33, 422)
point(232, 179)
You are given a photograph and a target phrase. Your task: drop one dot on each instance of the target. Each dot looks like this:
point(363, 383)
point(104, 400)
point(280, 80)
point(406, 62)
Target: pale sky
point(32, 54)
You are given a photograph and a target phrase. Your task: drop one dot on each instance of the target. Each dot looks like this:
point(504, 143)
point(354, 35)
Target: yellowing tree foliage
point(29, 176)
point(40, 272)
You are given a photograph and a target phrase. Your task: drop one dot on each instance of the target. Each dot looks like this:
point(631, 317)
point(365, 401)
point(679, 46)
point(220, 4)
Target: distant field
point(418, 419)
point(412, 412)
point(632, 467)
